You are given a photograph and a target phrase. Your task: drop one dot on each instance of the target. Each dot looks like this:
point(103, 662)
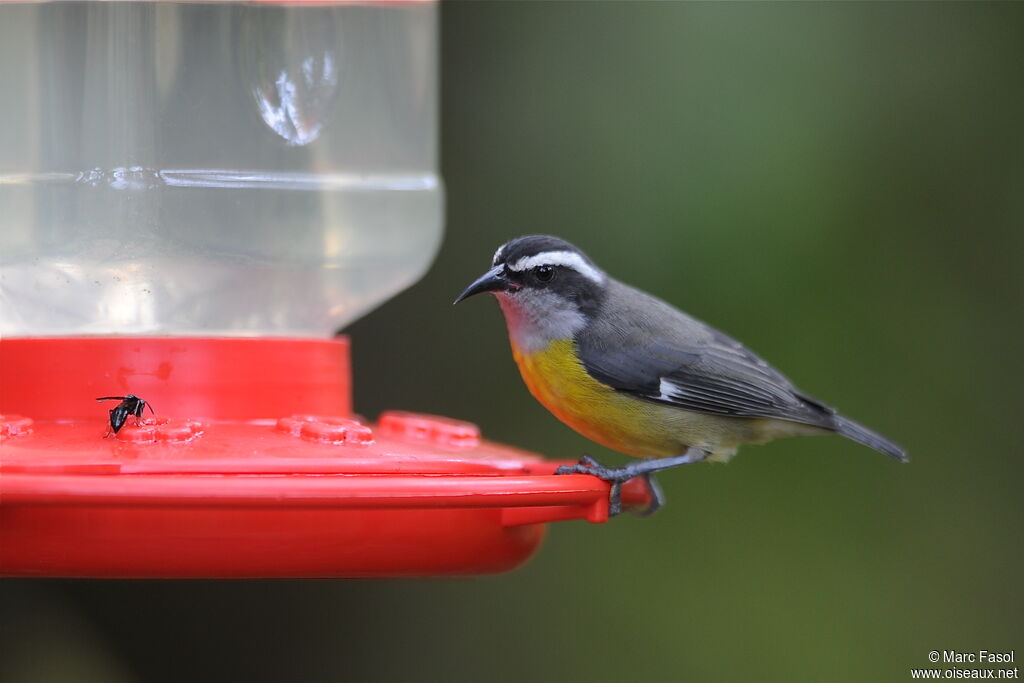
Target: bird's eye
point(544, 273)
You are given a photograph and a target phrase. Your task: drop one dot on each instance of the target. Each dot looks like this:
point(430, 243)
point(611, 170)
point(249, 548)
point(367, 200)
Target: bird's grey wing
point(658, 353)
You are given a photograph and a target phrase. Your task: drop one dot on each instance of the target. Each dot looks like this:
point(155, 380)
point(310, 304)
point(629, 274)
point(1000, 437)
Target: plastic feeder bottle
point(193, 197)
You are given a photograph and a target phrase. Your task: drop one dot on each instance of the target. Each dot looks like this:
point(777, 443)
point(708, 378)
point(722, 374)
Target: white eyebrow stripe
point(497, 255)
point(569, 259)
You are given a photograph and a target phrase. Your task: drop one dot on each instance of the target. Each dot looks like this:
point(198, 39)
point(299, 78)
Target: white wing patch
point(667, 390)
point(569, 259)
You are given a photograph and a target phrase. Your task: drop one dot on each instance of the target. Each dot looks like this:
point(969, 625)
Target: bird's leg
point(617, 476)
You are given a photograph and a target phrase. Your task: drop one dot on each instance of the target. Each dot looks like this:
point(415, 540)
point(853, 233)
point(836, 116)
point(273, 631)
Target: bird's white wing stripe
point(667, 389)
point(569, 259)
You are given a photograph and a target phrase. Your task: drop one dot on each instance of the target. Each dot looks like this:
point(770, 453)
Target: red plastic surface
point(59, 378)
point(227, 480)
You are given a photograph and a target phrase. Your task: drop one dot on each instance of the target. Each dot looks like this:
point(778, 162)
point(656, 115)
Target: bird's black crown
point(531, 245)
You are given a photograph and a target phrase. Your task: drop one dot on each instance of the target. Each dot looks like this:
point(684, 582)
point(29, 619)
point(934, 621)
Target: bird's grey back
point(642, 345)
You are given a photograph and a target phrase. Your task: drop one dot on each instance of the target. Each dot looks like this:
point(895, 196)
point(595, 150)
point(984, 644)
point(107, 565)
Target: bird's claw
point(657, 497)
point(588, 465)
point(616, 476)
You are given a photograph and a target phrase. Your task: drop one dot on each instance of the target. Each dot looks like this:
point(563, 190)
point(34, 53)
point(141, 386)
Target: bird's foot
point(588, 465)
point(657, 496)
point(617, 476)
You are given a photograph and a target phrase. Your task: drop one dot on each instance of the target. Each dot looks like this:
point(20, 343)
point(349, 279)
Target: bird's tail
point(861, 434)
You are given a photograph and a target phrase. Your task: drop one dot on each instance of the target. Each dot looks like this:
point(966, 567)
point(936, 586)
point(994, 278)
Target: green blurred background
point(840, 186)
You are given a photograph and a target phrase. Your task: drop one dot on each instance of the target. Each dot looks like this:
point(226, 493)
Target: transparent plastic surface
point(213, 168)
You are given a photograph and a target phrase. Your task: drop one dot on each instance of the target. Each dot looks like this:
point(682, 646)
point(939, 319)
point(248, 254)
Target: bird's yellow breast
point(629, 425)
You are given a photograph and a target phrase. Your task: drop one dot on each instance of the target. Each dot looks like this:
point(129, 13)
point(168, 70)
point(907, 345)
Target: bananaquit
point(634, 374)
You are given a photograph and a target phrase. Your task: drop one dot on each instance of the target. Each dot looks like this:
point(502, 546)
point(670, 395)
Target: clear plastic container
point(213, 168)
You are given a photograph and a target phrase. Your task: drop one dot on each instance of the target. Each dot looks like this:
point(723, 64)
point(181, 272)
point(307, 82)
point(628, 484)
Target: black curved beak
point(493, 280)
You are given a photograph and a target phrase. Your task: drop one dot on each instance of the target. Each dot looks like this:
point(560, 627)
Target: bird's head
point(547, 288)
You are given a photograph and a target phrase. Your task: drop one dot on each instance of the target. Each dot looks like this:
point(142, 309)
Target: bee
point(129, 405)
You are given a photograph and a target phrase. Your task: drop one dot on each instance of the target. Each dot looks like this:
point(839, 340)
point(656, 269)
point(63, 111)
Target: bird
point(635, 374)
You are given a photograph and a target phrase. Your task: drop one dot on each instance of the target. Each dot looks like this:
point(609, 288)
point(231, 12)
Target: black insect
point(129, 405)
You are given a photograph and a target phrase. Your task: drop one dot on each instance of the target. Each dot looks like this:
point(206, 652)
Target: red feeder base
point(228, 480)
